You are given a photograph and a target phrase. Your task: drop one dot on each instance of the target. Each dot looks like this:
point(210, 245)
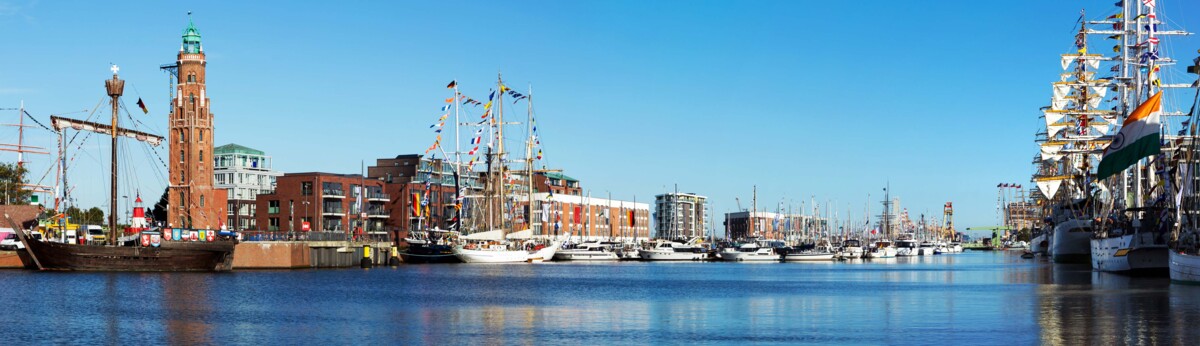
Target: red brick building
point(429, 179)
point(328, 201)
point(193, 201)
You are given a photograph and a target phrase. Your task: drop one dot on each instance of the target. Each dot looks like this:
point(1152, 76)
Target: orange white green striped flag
point(1139, 137)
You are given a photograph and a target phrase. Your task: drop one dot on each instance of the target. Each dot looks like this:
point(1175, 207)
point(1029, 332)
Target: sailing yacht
point(498, 245)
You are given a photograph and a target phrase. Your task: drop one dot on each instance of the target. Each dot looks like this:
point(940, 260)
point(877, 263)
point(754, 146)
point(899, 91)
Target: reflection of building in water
point(186, 309)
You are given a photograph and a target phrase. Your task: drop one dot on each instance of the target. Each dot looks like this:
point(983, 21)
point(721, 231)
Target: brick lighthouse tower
point(193, 202)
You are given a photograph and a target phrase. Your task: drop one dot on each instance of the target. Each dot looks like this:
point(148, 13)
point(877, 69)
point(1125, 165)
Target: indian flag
point(1138, 138)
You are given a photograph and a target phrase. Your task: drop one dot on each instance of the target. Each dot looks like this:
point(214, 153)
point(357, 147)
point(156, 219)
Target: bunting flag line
point(452, 84)
point(445, 108)
point(142, 105)
point(491, 96)
point(449, 100)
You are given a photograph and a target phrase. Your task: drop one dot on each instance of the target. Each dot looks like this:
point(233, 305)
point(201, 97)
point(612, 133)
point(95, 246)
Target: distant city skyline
point(807, 100)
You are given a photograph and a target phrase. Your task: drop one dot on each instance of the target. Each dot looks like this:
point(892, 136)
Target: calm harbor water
point(976, 297)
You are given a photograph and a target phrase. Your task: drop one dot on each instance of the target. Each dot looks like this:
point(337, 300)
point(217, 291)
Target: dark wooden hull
point(169, 257)
point(424, 253)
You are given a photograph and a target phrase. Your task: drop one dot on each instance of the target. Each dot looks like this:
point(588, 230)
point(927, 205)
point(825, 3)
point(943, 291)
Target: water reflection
point(982, 297)
point(1079, 306)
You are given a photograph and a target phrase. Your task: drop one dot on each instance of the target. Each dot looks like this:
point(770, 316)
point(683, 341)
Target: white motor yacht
point(749, 252)
point(672, 251)
point(593, 251)
point(881, 249)
point(851, 249)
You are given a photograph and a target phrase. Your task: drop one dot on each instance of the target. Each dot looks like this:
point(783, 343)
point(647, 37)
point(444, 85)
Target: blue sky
point(829, 99)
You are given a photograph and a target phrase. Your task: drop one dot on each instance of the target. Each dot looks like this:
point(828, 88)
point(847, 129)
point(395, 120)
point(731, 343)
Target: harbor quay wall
point(9, 260)
point(271, 255)
point(310, 254)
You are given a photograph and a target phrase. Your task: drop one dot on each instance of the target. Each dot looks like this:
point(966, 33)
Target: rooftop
point(233, 148)
point(555, 175)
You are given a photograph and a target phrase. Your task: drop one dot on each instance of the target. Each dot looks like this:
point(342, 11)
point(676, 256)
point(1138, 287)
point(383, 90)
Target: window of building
point(273, 224)
point(273, 207)
point(201, 156)
point(180, 155)
point(191, 78)
point(202, 200)
point(192, 97)
point(201, 135)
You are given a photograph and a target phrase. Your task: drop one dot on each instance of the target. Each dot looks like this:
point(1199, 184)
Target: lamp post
point(306, 203)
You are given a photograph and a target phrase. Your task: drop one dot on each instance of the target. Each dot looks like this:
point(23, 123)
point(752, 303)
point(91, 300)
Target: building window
point(180, 155)
point(192, 98)
point(201, 135)
point(202, 201)
point(273, 207)
point(201, 156)
point(273, 224)
point(192, 78)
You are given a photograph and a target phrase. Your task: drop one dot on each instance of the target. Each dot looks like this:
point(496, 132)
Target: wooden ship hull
point(169, 257)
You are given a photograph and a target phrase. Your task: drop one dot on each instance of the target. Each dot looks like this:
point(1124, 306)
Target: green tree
point(12, 180)
point(95, 216)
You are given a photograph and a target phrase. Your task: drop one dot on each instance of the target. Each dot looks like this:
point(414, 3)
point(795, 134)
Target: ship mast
point(115, 88)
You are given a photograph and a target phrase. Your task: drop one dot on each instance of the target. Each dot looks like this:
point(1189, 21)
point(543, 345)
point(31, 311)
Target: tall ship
point(1077, 125)
point(1137, 168)
point(507, 203)
point(192, 241)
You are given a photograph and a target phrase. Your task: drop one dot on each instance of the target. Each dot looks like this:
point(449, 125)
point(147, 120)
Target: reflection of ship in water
point(1079, 306)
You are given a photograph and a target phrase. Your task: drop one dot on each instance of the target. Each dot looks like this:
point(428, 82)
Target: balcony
point(333, 212)
point(378, 197)
point(377, 213)
point(331, 193)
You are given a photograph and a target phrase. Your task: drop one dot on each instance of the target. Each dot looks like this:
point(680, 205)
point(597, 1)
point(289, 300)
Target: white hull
point(925, 251)
point(1067, 246)
point(851, 253)
point(1130, 253)
point(584, 255)
point(668, 255)
point(1039, 244)
point(1184, 268)
point(491, 256)
point(504, 255)
point(887, 252)
point(747, 256)
point(814, 256)
point(906, 252)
